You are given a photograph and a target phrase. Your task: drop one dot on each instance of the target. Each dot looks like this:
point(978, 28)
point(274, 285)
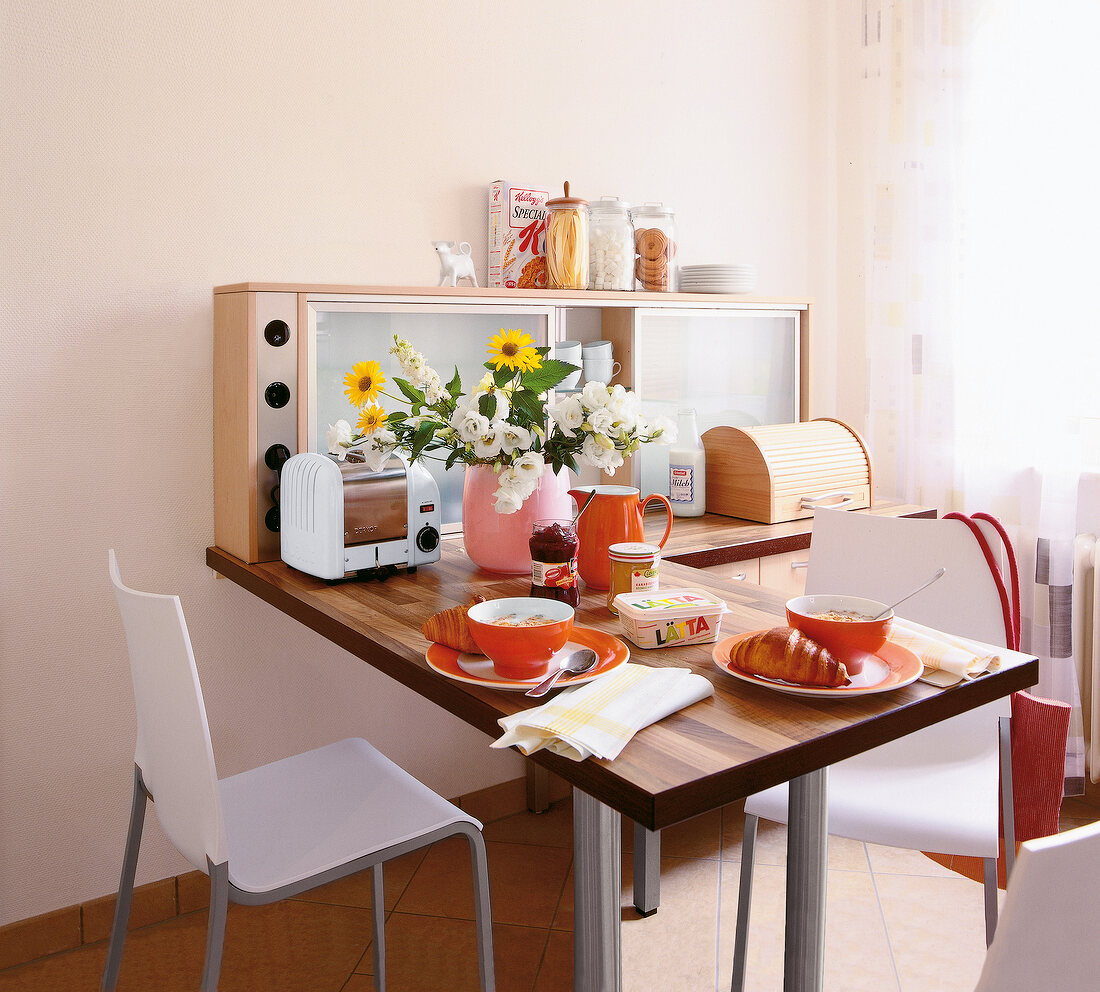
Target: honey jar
point(635, 567)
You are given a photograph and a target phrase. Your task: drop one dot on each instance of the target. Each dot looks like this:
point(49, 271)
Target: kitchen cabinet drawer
point(736, 571)
point(786, 572)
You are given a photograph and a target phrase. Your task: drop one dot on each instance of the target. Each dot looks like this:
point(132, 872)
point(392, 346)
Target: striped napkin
point(599, 717)
point(947, 659)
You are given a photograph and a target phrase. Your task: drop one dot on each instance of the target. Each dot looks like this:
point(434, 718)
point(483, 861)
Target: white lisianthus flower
point(568, 415)
point(472, 426)
point(488, 444)
point(513, 438)
point(663, 430)
point(600, 452)
point(338, 435)
point(595, 395)
point(602, 420)
point(377, 449)
point(510, 493)
point(529, 468)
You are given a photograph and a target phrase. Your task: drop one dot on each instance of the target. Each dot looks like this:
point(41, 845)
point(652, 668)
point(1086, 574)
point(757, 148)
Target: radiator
point(1086, 646)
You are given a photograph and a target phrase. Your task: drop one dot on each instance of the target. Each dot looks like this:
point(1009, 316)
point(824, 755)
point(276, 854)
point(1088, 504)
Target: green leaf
point(453, 457)
point(454, 387)
point(547, 376)
point(413, 395)
point(529, 404)
point(424, 434)
point(395, 418)
point(487, 405)
point(503, 375)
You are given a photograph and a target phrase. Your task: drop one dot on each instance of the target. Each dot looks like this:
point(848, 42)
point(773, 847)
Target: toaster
point(340, 518)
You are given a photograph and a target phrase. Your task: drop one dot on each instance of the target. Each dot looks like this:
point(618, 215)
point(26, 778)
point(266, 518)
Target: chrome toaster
point(340, 518)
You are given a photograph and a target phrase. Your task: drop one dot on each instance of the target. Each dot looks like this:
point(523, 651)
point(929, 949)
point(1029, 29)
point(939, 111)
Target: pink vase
point(500, 542)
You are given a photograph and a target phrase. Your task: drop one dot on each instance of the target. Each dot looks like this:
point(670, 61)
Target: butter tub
point(670, 617)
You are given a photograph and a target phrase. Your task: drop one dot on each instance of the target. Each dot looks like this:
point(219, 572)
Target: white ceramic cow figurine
point(454, 265)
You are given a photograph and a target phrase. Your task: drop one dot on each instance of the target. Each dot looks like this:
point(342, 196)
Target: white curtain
point(980, 171)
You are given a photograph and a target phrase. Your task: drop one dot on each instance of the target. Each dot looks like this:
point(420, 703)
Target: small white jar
point(610, 245)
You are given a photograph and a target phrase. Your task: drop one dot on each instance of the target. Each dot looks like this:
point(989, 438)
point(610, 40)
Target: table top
point(743, 739)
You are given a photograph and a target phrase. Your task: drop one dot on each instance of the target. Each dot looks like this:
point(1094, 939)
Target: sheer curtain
point(979, 150)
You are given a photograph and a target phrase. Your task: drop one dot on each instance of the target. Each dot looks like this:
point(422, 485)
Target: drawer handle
point(739, 577)
point(800, 564)
point(813, 502)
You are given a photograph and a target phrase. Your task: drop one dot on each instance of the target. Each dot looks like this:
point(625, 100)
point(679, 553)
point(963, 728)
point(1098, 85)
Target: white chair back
point(884, 558)
point(173, 748)
point(1046, 938)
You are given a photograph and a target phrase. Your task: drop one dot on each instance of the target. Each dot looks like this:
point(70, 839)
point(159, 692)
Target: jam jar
point(554, 561)
point(655, 243)
point(635, 567)
point(567, 242)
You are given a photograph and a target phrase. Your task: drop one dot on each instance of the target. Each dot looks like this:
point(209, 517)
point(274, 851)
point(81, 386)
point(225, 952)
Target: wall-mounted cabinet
point(281, 353)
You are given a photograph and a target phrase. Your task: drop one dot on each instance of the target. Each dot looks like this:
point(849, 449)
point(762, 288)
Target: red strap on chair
point(1010, 606)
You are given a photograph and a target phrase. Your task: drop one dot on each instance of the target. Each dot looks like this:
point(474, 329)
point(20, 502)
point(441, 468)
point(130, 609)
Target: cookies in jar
point(655, 245)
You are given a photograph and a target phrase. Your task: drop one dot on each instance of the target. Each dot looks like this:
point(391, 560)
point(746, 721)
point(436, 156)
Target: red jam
point(554, 562)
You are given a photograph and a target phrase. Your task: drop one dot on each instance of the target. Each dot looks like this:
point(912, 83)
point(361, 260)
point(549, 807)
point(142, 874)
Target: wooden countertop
point(743, 739)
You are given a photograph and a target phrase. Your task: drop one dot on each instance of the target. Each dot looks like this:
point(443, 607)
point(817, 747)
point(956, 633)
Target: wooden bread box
point(784, 471)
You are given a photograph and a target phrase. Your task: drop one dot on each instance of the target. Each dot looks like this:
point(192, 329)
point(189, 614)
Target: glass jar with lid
point(610, 245)
point(655, 243)
point(567, 242)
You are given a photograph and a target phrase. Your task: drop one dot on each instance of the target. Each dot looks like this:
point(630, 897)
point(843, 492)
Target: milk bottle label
point(681, 483)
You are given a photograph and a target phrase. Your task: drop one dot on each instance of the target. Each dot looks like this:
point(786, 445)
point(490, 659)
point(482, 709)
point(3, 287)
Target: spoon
point(587, 500)
point(938, 575)
point(579, 661)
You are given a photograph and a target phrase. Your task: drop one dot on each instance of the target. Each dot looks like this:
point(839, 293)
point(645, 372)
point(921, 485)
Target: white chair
point(1047, 935)
point(276, 830)
point(935, 790)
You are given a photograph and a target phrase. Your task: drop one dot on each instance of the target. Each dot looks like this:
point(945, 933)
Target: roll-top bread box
point(785, 471)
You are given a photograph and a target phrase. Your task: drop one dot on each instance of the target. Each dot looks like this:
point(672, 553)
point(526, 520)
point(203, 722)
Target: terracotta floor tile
point(901, 861)
point(428, 953)
point(936, 928)
point(525, 882)
point(556, 972)
point(771, 844)
point(857, 951)
point(554, 828)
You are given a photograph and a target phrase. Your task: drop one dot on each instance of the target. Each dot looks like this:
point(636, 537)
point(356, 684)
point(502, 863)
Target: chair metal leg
point(1008, 806)
point(538, 788)
point(378, 907)
point(483, 912)
point(744, 904)
point(647, 870)
point(990, 899)
point(215, 924)
point(126, 883)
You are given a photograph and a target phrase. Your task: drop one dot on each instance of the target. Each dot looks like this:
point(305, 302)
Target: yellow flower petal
point(371, 419)
point(363, 383)
point(514, 349)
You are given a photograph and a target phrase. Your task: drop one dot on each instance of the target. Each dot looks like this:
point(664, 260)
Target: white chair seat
point(946, 805)
point(294, 819)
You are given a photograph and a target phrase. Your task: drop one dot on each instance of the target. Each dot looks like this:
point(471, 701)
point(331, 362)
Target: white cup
point(600, 370)
point(569, 351)
point(597, 349)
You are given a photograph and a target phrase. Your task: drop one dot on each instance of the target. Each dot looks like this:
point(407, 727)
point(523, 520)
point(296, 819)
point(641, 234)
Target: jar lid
point(652, 209)
point(633, 551)
point(610, 205)
point(567, 200)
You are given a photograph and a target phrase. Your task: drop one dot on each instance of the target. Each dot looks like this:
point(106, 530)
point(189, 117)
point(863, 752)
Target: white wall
point(150, 152)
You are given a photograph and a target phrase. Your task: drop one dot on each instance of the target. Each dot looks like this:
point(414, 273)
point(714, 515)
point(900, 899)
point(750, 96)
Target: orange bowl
point(849, 639)
point(520, 635)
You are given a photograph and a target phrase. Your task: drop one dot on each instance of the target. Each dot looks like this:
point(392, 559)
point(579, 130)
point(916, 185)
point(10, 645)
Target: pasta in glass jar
point(567, 242)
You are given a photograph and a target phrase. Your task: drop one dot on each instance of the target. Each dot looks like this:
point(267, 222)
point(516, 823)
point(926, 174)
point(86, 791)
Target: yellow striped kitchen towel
point(599, 717)
point(947, 659)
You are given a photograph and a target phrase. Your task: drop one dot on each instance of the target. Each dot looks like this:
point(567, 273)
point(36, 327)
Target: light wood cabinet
point(785, 572)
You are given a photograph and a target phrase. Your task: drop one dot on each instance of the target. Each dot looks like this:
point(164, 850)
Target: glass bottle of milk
point(687, 469)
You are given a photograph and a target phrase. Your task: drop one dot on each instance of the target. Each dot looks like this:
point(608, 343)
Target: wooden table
point(738, 742)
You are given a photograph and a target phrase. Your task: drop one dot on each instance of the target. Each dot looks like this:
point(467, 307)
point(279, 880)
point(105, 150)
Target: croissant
point(788, 654)
point(449, 627)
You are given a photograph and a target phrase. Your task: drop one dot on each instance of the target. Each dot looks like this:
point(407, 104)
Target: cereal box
point(517, 236)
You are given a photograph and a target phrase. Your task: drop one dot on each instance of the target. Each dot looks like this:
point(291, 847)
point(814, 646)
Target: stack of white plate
point(717, 278)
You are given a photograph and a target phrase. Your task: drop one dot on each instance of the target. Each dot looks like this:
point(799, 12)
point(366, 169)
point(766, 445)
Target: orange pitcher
point(613, 516)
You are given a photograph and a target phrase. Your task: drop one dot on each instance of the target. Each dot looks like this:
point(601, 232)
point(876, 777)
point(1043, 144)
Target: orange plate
point(476, 669)
point(891, 667)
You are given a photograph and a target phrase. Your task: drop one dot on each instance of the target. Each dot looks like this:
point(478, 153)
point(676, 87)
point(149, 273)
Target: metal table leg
point(807, 859)
point(597, 879)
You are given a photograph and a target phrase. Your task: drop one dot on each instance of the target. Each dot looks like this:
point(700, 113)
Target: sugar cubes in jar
point(610, 245)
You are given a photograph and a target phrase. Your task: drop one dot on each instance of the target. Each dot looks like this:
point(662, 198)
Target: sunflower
point(514, 349)
point(370, 419)
point(363, 381)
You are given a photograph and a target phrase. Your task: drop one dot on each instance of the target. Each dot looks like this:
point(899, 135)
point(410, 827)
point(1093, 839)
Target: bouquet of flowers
point(504, 422)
